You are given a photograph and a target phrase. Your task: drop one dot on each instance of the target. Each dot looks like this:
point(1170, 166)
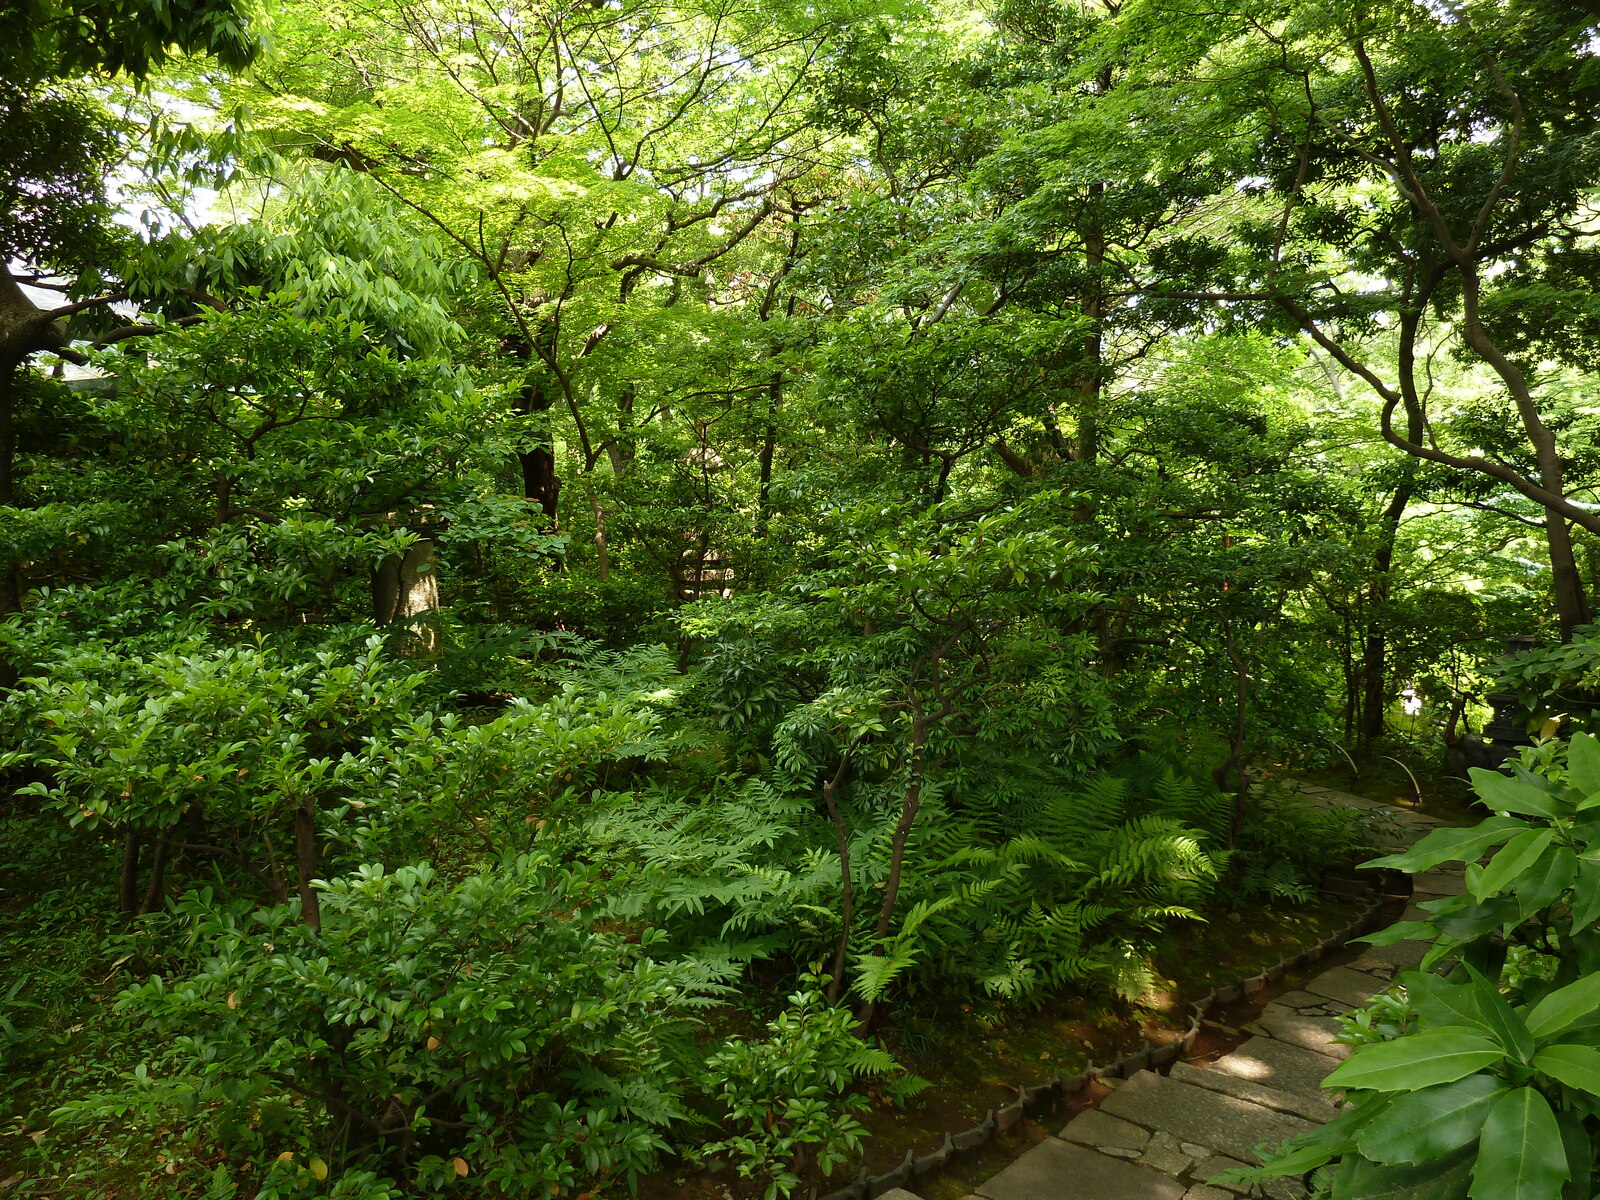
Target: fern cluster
point(1065, 890)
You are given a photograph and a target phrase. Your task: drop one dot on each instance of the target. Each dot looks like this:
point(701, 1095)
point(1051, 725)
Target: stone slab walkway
point(1165, 1137)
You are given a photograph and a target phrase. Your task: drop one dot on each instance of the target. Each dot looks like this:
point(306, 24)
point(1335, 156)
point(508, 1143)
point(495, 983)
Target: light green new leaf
point(1427, 1125)
point(1564, 1006)
point(1507, 795)
point(1576, 1066)
point(1521, 1155)
point(1518, 855)
point(1451, 844)
point(1409, 1064)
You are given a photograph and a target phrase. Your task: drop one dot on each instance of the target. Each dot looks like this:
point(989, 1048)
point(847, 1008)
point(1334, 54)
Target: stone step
point(1055, 1170)
point(1309, 1032)
point(1278, 1065)
point(1349, 987)
point(1205, 1118)
point(1107, 1134)
point(1313, 1106)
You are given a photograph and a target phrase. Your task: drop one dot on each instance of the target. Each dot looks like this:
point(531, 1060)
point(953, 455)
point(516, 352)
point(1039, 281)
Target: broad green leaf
point(1538, 887)
point(1361, 1179)
point(1409, 1064)
point(1429, 1124)
point(1311, 1150)
point(1576, 1066)
point(1521, 1155)
point(1564, 1006)
point(1580, 1155)
point(1467, 921)
point(1585, 896)
point(1505, 1024)
point(1452, 844)
point(1518, 855)
point(1401, 931)
point(1507, 795)
point(1440, 1002)
point(1583, 767)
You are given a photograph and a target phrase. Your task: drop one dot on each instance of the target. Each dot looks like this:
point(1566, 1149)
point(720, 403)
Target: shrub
point(485, 1033)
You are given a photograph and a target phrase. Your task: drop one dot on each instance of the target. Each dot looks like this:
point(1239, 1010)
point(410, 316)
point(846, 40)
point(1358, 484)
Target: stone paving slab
point(1399, 956)
point(1279, 1065)
point(1208, 1169)
point(1220, 1122)
point(1054, 1170)
point(1350, 988)
point(1438, 883)
point(1105, 1132)
point(1312, 1105)
point(1300, 999)
point(1311, 1033)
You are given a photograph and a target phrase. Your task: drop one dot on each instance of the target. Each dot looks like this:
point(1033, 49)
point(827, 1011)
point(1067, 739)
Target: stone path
point(1163, 1137)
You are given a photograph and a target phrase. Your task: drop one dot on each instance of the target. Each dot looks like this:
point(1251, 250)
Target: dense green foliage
point(566, 572)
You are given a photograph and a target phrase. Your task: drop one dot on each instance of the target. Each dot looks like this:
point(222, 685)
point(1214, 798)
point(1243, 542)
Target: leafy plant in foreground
point(784, 1100)
point(1494, 1092)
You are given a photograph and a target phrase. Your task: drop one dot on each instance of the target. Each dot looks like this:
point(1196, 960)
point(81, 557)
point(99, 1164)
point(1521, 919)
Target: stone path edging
point(1165, 1166)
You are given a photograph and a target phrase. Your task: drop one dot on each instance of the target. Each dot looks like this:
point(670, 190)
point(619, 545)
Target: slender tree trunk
point(158, 871)
point(1375, 641)
point(305, 847)
point(769, 445)
point(830, 792)
point(1091, 376)
point(128, 876)
point(601, 550)
point(910, 806)
point(1241, 727)
point(10, 577)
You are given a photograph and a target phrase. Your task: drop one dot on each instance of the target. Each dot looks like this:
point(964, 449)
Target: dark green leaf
point(1429, 1124)
point(1583, 766)
point(1508, 864)
point(1507, 795)
point(1576, 1066)
point(1452, 844)
point(1362, 1179)
point(1539, 886)
point(1564, 1006)
point(1411, 1063)
point(1521, 1155)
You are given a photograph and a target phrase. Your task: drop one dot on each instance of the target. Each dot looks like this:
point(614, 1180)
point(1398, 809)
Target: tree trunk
point(769, 445)
point(602, 551)
point(128, 877)
point(1375, 642)
point(305, 859)
point(540, 482)
point(1572, 605)
point(406, 587)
